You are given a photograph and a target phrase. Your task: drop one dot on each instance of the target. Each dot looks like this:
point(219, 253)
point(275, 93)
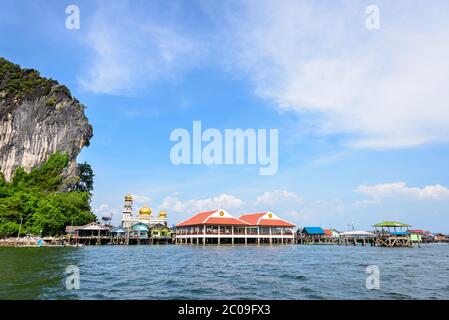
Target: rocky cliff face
point(38, 117)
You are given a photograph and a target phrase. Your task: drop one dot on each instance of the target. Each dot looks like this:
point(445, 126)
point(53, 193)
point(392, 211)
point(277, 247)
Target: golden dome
point(162, 214)
point(128, 197)
point(145, 210)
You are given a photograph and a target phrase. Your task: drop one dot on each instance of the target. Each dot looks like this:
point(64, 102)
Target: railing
point(249, 232)
point(188, 232)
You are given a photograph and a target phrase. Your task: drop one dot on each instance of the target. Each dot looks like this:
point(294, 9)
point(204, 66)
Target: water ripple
point(265, 272)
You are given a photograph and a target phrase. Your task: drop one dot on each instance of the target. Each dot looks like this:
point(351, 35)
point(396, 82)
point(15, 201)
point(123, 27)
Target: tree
point(34, 197)
point(86, 178)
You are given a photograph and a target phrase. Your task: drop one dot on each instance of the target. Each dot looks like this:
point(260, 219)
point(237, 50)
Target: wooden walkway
point(393, 241)
point(377, 241)
point(110, 240)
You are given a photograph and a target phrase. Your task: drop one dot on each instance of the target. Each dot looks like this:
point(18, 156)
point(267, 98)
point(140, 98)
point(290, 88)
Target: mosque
point(145, 215)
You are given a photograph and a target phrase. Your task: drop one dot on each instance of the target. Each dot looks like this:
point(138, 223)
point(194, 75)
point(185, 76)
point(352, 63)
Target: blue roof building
point(118, 231)
point(313, 231)
point(140, 230)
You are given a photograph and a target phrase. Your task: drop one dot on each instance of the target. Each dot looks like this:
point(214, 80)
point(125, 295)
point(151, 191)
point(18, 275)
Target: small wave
point(294, 277)
point(399, 296)
point(315, 297)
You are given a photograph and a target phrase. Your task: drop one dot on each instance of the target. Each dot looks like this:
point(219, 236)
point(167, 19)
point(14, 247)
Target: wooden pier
point(392, 234)
point(393, 241)
point(383, 241)
point(344, 241)
point(112, 240)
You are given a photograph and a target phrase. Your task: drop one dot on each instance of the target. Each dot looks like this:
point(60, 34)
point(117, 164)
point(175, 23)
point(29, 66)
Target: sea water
point(225, 272)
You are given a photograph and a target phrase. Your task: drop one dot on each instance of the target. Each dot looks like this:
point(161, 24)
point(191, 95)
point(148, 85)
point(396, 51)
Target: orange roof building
point(215, 217)
point(327, 232)
point(265, 219)
point(220, 227)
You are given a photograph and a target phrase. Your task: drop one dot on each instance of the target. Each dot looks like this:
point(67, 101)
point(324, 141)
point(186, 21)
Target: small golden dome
point(128, 197)
point(145, 210)
point(162, 214)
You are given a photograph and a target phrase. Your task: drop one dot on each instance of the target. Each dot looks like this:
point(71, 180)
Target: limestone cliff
point(38, 117)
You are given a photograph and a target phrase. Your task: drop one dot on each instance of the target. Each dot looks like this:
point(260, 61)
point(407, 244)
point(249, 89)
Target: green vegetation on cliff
point(18, 83)
point(34, 197)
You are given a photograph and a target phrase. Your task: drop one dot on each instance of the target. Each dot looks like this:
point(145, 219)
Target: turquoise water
point(252, 272)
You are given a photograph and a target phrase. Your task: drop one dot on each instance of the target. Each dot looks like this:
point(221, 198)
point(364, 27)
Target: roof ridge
point(196, 214)
point(253, 213)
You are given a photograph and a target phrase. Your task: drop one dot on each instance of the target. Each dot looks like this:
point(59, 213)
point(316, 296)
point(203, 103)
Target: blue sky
point(362, 115)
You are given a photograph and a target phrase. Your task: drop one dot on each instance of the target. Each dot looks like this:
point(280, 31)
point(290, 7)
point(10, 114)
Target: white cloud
point(272, 198)
point(379, 191)
point(128, 50)
point(369, 202)
point(105, 210)
point(283, 202)
point(139, 199)
point(380, 89)
point(225, 201)
point(104, 207)
point(292, 215)
point(385, 88)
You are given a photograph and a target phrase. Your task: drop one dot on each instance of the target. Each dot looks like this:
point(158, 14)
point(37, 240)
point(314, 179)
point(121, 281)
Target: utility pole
point(70, 233)
point(110, 219)
point(110, 225)
point(20, 228)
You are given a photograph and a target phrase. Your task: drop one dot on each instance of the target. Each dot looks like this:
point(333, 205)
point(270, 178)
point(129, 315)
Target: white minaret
point(127, 210)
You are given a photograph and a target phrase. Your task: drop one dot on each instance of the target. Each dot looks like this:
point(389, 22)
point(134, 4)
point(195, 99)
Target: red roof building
point(265, 219)
point(220, 227)
point(216, 217)
point(417, 231)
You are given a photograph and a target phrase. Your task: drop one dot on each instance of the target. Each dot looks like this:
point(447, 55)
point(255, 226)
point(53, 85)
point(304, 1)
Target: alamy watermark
point(372, 21)
point(72, 22)
point(72, 282)
point(373, 279)
point(209, 147)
